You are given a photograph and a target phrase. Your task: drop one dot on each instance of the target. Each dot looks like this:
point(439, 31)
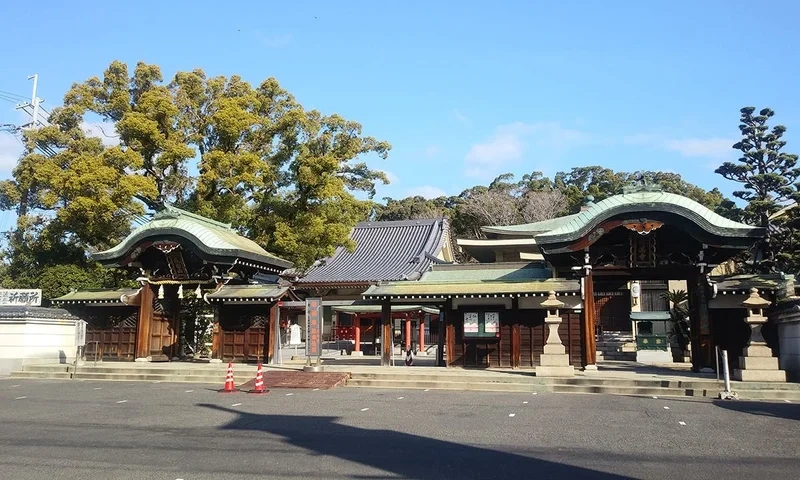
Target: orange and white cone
point(258, 387)
point(229, 386)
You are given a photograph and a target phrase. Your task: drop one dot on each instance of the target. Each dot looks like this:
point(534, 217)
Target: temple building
point(593, 265)
point(552, 296)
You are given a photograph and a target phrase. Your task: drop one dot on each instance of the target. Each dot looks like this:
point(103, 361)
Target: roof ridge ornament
point(641, 185)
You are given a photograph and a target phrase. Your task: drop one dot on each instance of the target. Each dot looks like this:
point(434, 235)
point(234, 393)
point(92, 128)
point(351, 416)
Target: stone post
point(554, 362)
point(757, 363)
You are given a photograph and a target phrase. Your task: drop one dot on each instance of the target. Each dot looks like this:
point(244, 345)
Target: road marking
point(666, 408)
point(400, 398)
point(20, 398)
point(14, 386)
point(512, 414)
point(315, 390)
point(235, 404)
point(682, 423)
point(189, 391)
point(534, 393)
point(427, 390)
point(289, 394)
point(364, 409)
point(122, 401)
point(98, 388)
point(656, 398)
point(525, 402)
point(788, 401)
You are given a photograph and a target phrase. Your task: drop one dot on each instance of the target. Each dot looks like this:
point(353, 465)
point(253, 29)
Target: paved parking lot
point(83, 429)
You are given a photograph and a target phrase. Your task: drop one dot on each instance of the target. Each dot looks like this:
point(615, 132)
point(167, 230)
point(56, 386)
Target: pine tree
point(769, 179)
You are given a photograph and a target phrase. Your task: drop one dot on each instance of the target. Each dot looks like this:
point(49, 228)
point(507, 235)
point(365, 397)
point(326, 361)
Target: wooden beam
point(143, 322)
point(700, 323)
point(516, 353)
point(443, 319)
point(273, 327)
point(589, 320)
point(387, 340)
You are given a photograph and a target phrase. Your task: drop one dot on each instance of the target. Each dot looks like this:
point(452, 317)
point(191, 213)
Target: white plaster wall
point(789, 339)
point(35, 342)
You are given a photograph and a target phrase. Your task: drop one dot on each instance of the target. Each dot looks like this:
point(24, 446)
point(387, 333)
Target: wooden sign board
point(314, 327)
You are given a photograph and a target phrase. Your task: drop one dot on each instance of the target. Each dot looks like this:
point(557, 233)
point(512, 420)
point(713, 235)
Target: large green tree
point(769, 177)
point(217, 146)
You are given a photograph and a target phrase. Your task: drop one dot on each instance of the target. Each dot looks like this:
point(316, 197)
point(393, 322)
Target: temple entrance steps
point(616, 346)
point(612, 378)
point(522, 381)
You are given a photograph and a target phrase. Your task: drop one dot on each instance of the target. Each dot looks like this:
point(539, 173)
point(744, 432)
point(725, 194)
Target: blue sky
point(462, 90)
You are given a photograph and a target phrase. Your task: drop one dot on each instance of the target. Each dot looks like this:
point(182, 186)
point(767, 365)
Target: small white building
point(31, 334)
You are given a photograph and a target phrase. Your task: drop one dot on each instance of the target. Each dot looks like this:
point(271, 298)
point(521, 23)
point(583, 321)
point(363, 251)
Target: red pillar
point(422, 333)
point(357, 329)
point(408, 333)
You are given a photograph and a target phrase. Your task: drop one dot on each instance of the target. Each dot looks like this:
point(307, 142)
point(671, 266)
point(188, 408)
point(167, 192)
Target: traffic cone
point(229, 386)
point(259, 384)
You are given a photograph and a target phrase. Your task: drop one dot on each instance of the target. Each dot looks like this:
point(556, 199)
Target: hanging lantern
point(198, 293)
point(180, 291)
point(161, 292)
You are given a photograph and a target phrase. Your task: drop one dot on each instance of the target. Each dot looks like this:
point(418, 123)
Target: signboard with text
point(20, 297)
point(80, 333)
point(313, 327)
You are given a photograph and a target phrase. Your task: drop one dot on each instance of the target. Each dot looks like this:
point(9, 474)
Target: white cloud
point(104, 131)
point(702, 147)
point(391, 176)
point(427, 191)
point(714, 148)
point(461, 117)
point(274, 40)
point(510, 142)
point(432, 151)
point(10, 151)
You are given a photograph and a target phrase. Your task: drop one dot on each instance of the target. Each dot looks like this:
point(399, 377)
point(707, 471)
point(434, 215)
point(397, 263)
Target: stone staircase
point(522, 382)
point(616, 346)
point(454, 379)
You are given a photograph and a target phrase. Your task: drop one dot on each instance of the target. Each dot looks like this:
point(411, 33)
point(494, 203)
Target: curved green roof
point(530, 228)
point(648, 201)
point(210, 237)
point(575, 226)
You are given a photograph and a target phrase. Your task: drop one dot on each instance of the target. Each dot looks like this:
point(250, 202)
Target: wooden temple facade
point(530, 302)
point(182, 260)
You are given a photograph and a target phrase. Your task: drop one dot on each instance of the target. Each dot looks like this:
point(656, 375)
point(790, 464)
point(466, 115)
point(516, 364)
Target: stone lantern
point(554, 362)
point(757, 363)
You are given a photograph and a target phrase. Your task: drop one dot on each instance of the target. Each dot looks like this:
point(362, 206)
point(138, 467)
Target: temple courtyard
point(65, 429)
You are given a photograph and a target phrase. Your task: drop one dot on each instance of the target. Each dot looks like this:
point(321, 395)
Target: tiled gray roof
point(385, 251)
point(26, 312)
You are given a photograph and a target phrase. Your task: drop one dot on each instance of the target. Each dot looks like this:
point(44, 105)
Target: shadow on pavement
point(405, 455)
point(788, 411)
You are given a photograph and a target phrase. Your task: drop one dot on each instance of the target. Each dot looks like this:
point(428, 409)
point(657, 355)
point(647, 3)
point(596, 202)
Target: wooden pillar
point(357, 331)
point(216, 335)
point(387, 340)
point(272, 332)
point(408, 333)
point(701, 340)
point(422, 333)
point(143, 322)
point(444, 315)
point(516, 353)
point(589, 319)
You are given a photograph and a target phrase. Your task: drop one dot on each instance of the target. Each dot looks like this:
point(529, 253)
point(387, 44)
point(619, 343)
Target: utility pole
point(34, 103)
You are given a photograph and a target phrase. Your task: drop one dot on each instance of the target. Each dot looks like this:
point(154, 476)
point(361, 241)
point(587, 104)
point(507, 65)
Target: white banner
point(20, 297)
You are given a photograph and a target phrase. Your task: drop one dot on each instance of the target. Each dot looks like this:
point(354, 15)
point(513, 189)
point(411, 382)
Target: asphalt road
point(82, 429)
